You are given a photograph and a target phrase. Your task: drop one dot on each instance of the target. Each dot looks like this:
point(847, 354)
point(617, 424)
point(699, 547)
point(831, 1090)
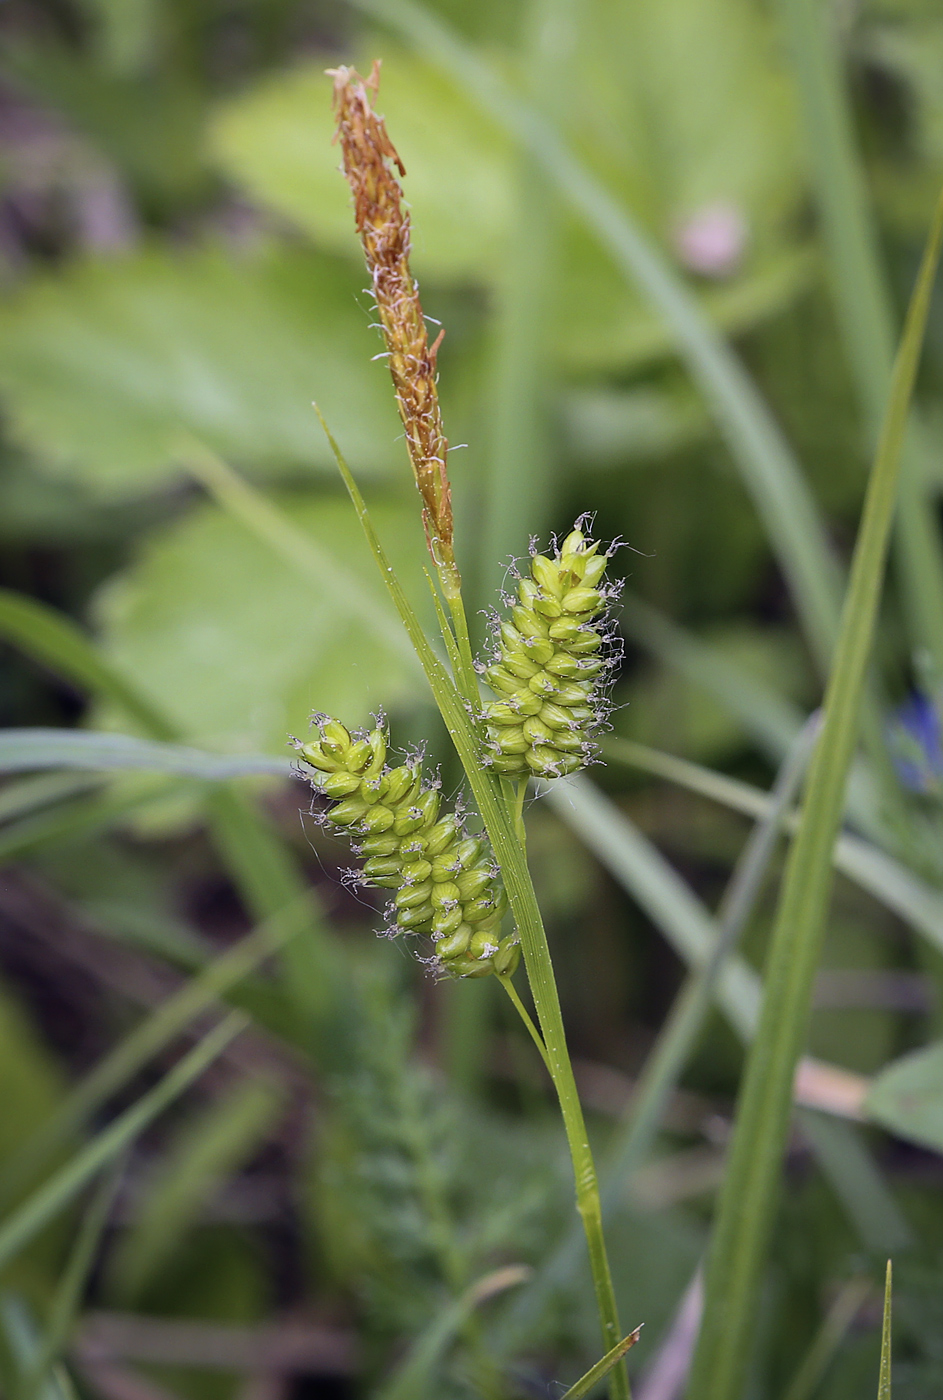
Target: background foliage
point(180, 279)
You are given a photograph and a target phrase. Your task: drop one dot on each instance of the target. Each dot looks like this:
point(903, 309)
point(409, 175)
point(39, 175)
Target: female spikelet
point(551, 665)
point(446, 883)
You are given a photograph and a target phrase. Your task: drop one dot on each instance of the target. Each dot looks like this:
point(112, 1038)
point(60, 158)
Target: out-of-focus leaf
point(103, 366)
point(599, 321)
point(914, 53)
point(277, 142)
point(672, 708)
point(417, 1373)
point(22, 750)
point(693, 128)
point(30, 1086)
point(149, 125)
point(209, 1147)
point(907, 1097)
point(616, 428)
point(224, 636)
point(24, 1340)
point(47, 1200)
point(691, 105)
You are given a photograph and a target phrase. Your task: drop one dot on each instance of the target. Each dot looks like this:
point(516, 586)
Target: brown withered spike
point(371, 163)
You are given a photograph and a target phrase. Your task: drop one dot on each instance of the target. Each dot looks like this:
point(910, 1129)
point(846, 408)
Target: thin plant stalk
point(24, 1223)
point(745, 1214)
point(498, 816)
point(679, 1034)
point(675, 1042)
point(171, 1018)
point(834, 1329)
point(884, 1379)
point(68, 1295)
point(863, 301)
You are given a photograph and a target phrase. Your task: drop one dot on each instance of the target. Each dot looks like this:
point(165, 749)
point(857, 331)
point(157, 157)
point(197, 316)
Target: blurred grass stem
point(863, 302)
point(745, 1213)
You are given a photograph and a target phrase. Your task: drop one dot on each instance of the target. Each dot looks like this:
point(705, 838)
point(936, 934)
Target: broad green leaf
point(103, 365)
point(907, 1097)
point(674, 161)
point(766, 463)
point(223, 635)
point(277, 141)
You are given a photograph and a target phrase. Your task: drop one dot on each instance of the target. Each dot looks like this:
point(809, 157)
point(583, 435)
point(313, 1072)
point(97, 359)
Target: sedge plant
point(466, 897)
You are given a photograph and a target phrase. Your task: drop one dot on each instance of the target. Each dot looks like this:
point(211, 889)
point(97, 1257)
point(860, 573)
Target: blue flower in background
point(916, 741)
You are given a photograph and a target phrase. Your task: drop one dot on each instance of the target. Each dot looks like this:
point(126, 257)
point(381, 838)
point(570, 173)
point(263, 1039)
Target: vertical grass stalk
point(498, 814)
point(747, 1201)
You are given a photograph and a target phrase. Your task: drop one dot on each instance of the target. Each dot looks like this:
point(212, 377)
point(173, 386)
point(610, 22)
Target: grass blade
point(693, 933)
point(835, 1327)
point(884, 1379)
point(272, 526)
point(23, 750)
point(890, 882)
point(748, 1196)
point(602, 1368)
point(28, 795)
point(669, 902)
point(22, 1337)
point(770, 720)
point(666, 1060)
point(68, 1296)
point(74, 820)
point(205, 1152)
point(863, 302)
point(56, 1193)
point(58, 644)
point(262, 868)
point(766, 463)
point(416, 1373)
point(169, 1020)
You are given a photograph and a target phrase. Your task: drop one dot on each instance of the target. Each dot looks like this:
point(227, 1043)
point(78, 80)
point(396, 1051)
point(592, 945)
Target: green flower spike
point(550, 666)
point(446, 883)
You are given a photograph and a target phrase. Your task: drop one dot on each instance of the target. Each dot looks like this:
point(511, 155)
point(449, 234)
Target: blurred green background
point(179, 274)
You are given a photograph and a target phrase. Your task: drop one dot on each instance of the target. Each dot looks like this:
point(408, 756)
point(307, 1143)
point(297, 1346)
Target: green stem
point(467, 677)
point(547, 1003)
point(748, 1197)
point(522, 1011)
point(498, 817)
point(519, 800)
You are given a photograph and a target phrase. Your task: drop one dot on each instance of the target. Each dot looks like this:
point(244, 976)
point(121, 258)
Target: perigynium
point(446, 882)
point(551, 664)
